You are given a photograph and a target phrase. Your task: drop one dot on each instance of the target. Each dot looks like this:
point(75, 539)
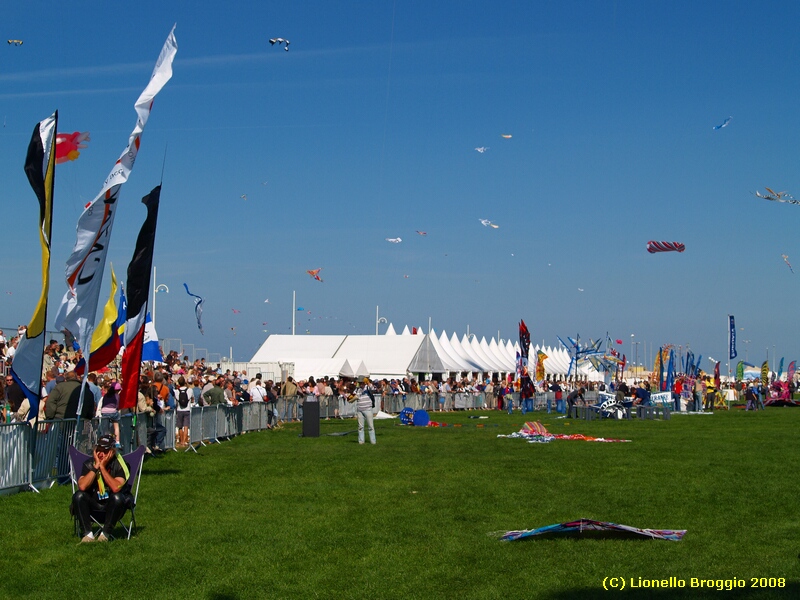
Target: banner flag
point(106, 342)
point(731, 338)
point(85, 266)
point(138, 292)
point(150, 350)
point(40, 168)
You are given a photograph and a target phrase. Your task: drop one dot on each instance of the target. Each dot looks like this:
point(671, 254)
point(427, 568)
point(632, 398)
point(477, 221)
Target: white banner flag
point(86, 264)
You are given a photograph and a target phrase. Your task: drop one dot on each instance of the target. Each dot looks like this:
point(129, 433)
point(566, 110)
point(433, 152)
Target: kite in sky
point(582, 525)
point(723, 124)
point(243, 196)
point(15, 42)
point(786, 260)
point(280, 41)
point(653, 247)
point(198, 308)
point(315, 274)
point(505, 135)
point(482, 149)
point(266, 301)
point(236, 312)
point(422, 232)
point(68, 144)
point(777, 196)
point(488, 223)
point(394, 240)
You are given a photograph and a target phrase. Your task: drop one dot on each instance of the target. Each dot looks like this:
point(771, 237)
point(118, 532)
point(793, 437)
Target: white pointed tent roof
point(451, 352)
point(390, 330)
point(427, 359)
point(450, 363)
point(389, 356)
point(462, 353)
point(479, 351)
point(347, 370)
point(406, 331)
point(362, 370)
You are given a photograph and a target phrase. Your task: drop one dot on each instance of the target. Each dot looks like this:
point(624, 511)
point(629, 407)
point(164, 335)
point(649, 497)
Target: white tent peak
point(390, 330)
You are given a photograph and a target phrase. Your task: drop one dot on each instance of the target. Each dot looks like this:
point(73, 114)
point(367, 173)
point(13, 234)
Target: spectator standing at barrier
point(14, 394)
point(215, 395)
point(288, 390)
point(364, 406)
point(102, 485)
point(110, 407)
point(555, 387)
point(183, 411)
point(62, 403)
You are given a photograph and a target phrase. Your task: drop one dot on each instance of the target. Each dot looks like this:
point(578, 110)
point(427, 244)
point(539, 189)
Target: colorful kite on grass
point(68, 144)
point(653, 247)
point(582, 525)
point(786, 260)
point(723, 124)
point(198, 308)
point(315, 274)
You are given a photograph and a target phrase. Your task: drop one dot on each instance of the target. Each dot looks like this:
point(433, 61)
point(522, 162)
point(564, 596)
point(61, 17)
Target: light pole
point(378, 319)
point(158, 287)
point(632, 336)
point(637, 353)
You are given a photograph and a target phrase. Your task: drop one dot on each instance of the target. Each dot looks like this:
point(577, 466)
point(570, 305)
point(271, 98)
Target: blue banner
point(732, 339)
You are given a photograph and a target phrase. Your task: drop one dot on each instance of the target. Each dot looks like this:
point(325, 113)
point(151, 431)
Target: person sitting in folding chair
point(102, 486)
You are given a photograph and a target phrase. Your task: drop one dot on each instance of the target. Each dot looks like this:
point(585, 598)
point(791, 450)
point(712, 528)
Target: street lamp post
point(158, 287)
point(378, 319)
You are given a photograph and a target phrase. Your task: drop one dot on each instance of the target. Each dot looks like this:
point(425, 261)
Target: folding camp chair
point(134, 461)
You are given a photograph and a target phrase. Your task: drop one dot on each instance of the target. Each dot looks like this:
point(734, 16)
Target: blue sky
point(367, 128)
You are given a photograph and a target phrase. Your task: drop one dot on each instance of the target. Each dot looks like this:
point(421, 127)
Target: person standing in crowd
point(364, 406)
point(183, 411)
point(555, 387)
point(288, 392)
point(214, 395)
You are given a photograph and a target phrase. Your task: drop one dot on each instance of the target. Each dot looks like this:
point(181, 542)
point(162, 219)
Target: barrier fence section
point(40, 459)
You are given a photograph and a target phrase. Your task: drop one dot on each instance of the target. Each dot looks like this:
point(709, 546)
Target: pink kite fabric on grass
point(535, 432)
point(581, 525)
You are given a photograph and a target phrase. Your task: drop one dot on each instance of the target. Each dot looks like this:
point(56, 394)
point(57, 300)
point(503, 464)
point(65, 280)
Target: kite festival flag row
point(138, 291)
point(40, 169)
point(84, 272)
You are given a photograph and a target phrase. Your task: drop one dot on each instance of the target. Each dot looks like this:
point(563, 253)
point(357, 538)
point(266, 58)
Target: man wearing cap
point(102, 486)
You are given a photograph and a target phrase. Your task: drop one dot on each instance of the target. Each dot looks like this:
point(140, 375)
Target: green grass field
point(275, 515)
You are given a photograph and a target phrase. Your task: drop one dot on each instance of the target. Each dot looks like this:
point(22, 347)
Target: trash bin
point(311, 418)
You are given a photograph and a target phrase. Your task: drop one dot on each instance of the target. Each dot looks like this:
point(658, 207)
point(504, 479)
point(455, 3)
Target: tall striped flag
point(765, 372)
point(790, 372)
point(106, 341)
point(40, 168)
point(540, 358)
point(84, 272)
point(138, 291)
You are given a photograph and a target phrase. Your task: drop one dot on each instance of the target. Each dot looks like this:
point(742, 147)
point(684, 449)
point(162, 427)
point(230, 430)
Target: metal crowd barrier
point(40, 459)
